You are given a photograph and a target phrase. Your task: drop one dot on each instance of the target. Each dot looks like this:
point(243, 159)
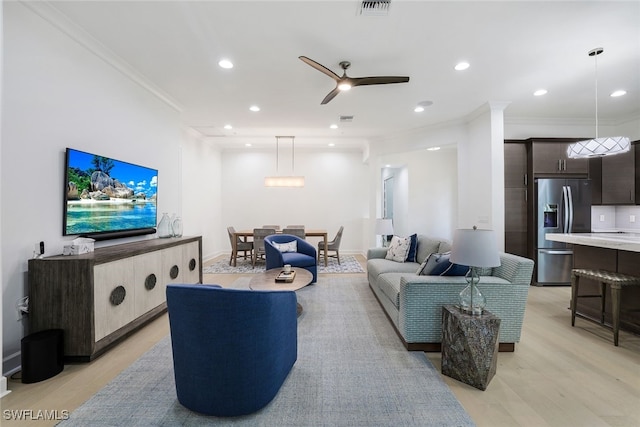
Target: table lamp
point(475, 248)
point(384, 227)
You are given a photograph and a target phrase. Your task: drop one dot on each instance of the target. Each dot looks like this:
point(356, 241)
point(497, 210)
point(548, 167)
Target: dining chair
point(241, 246)
point(333, 245)
point(295, 231)
point(295, 226)
point(275, 227)
point(258, 242)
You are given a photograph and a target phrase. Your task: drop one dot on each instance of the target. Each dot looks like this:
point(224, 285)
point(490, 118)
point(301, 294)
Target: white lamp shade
point(384, 226)
point(475, 248)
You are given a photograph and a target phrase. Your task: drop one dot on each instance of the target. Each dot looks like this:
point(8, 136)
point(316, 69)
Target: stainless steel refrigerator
point(562, 206)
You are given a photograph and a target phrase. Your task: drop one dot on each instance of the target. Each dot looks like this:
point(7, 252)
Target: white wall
point(201, 193)
point(425, 191)
point(57, 94)
point(335, 192)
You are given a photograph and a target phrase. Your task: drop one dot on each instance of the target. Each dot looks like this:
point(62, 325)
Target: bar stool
point(616, 281)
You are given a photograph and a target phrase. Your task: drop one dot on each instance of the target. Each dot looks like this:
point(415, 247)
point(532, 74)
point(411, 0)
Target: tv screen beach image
point(107, 195)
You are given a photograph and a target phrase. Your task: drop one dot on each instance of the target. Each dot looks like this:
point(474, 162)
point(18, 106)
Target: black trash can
point(42, 355)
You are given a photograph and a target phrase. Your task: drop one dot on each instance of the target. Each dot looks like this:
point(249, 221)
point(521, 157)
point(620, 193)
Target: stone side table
point(469, 346)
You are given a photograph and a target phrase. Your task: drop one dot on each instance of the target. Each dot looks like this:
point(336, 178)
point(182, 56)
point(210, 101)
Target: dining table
point(245, 234)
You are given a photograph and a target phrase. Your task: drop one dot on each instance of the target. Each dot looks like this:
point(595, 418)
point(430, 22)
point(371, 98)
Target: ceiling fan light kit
point(598, 147)
point(345, 82)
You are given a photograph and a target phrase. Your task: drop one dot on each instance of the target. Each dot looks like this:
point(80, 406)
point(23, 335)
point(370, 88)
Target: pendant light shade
point(286, 180)
point(598, 147)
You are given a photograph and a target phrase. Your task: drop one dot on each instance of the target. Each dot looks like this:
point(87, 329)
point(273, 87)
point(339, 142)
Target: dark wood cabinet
point(516, 181)
point(101, 297)
point(550, 159)
point(618, 179)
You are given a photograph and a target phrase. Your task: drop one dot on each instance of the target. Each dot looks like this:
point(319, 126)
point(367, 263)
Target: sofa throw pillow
point(445, 267)
point(430, 263)
point(291, 246)
point(413, 248)
point(398, 249)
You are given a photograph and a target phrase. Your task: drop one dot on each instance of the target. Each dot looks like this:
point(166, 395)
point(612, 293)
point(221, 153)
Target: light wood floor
point(558, 375)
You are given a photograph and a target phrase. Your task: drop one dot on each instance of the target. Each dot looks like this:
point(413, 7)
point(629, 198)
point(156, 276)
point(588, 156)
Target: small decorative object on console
point(164, 226)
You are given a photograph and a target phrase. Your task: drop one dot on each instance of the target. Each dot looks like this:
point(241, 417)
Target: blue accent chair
point(232, 348)
point(304, 258)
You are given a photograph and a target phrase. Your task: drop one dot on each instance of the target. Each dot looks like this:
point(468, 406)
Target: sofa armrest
point(422, 297)
point(373, 253)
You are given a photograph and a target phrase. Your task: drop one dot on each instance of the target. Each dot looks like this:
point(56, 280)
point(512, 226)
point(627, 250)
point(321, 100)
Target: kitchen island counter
point(616, 252)
point(619, 241)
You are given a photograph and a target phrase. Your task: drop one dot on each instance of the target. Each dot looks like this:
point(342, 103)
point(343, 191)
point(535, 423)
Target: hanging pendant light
point(598, 147)
point(287, 180)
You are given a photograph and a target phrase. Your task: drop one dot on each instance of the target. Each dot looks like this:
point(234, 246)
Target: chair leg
point(615, 311)
point(603, 288)
point(231, 258)
point(338, 256)
point(575, 283)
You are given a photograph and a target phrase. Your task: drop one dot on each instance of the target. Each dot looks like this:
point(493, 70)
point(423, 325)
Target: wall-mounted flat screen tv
point(106, 198)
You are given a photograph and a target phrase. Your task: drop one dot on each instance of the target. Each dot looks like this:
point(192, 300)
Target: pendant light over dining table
point(598, 147)
point(284, 180)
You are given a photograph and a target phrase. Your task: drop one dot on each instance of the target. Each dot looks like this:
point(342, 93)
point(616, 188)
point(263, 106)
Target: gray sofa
point(414, 303)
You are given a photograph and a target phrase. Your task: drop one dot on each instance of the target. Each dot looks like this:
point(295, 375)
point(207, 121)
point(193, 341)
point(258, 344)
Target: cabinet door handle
point(559, 164)
point(525, 180)
point(526, 195)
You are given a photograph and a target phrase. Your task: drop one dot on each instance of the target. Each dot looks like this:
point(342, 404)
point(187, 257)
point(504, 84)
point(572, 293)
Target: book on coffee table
point(285, 277)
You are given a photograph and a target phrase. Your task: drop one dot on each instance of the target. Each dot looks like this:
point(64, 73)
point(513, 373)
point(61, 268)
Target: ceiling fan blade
point(330, 96)
point(378, 80)
point(320, 67)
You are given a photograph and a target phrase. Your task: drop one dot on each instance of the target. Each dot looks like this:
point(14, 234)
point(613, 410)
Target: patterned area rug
point(352, 370)
point(348, 264)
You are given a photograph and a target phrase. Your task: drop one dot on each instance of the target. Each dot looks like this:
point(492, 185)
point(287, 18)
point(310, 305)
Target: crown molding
point(57, 19)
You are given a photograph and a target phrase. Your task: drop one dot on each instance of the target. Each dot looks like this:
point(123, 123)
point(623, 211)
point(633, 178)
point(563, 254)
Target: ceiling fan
point(345, 82)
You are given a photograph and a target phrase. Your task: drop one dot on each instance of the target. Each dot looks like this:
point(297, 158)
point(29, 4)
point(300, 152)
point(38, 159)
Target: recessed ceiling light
point(331, 144)
point(540, 92)
point(419, 109)
point(387, 166)
point(460, 66)
point(618, 93)
point(248, 144)
point(254, 108)
point(334, 126)
point(228, 127)
point(225, 63)
point(433, 148)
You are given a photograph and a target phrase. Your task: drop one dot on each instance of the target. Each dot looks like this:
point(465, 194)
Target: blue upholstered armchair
point(232, 350)
point(304, 256)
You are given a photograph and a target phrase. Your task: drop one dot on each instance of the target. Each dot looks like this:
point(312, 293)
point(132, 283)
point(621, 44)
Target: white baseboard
point(3, 387)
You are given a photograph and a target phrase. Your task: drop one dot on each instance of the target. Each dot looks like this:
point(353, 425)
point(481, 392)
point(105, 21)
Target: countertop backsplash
point(615, 219)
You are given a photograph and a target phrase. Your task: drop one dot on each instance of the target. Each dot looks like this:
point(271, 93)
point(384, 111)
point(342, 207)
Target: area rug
point(348, 264)
point(351, 370)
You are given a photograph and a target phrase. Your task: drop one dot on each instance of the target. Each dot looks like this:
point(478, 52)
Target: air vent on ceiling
point(346, 118)
point(375, 7)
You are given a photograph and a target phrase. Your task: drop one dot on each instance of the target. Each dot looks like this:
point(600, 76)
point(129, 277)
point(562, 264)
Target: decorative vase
point(164, 226)
point(176, 225)
point(471, 300)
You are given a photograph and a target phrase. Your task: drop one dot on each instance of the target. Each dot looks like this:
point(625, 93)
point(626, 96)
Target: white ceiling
point(513, 47)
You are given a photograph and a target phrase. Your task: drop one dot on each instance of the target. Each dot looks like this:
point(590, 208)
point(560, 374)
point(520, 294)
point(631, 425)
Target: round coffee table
point(267, 282)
